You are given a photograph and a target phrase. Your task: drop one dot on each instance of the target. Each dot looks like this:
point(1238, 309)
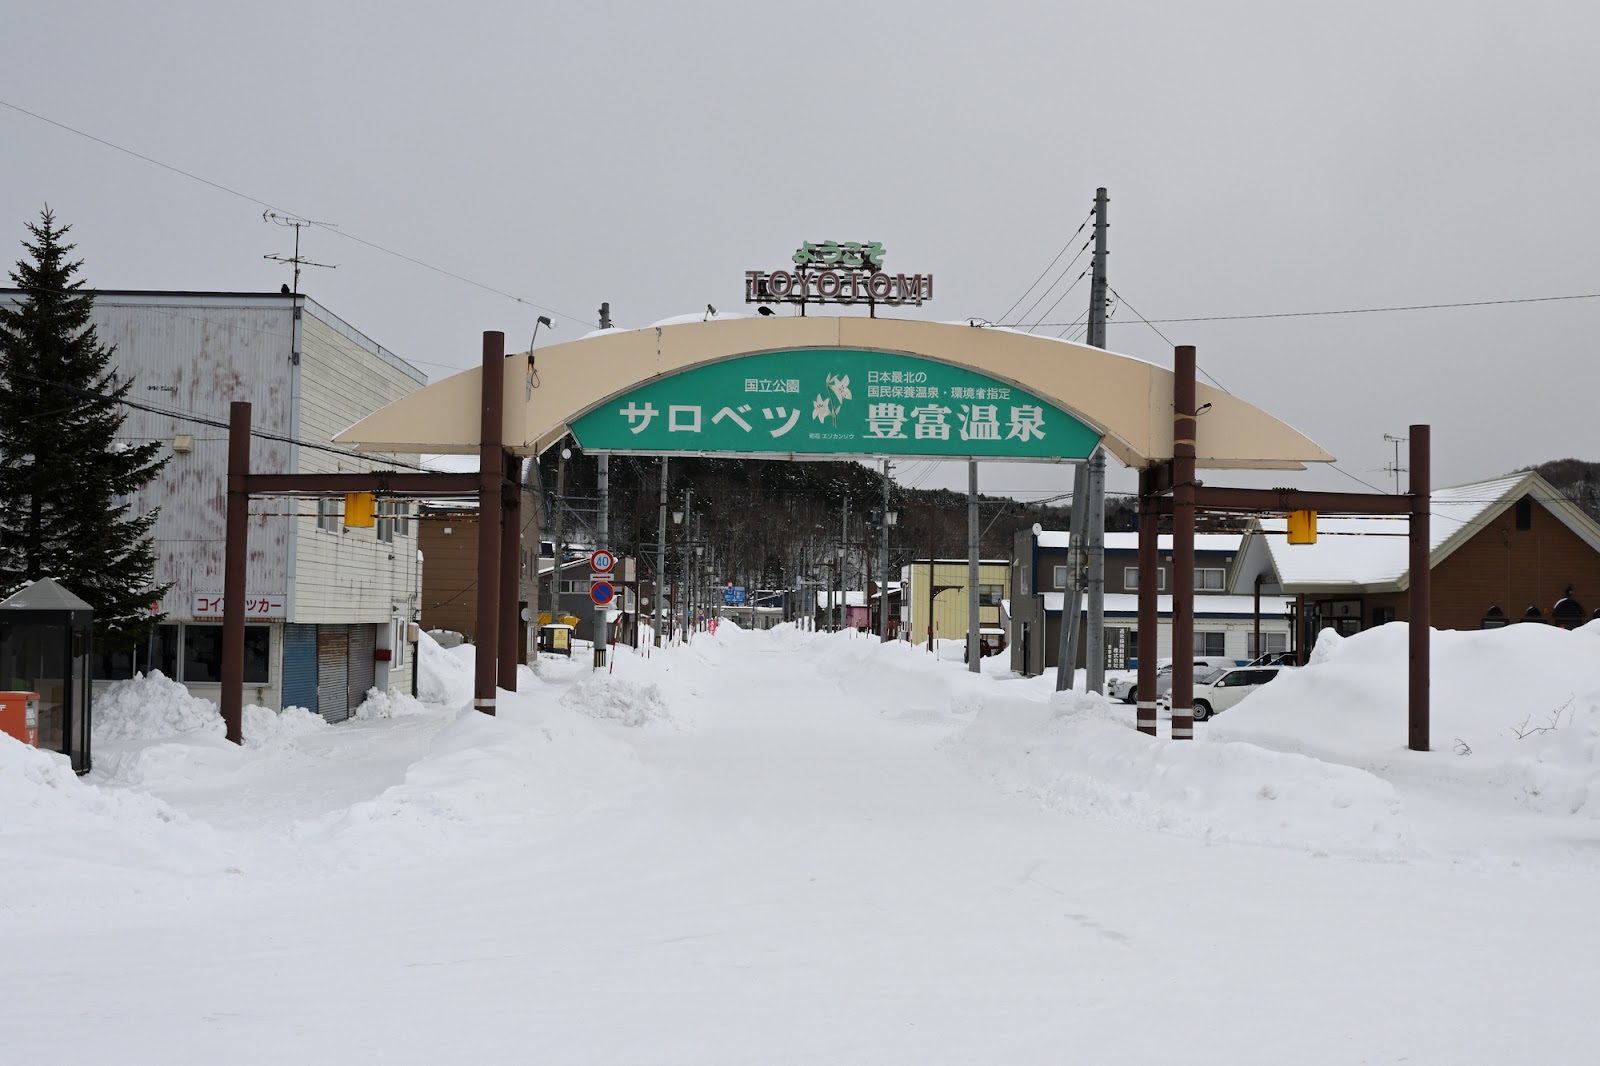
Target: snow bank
point(482, 772)
point(1516, 708)
point(1077, 753)
point(603, 695)
point(154, 707)
point(444, 676)
point(390, 705)
point(151, 706)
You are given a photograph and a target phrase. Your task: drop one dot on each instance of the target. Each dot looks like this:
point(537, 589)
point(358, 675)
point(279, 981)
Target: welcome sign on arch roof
point(838, 403)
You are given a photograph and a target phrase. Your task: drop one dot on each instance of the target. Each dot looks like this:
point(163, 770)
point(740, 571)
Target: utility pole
point(883, 556)
point(1095, 510)
point(688, 529)
point(974, 644)
point(661, 557)
point(844, 548)
point(561, 490)
point(1072, 596)
point(603, 532)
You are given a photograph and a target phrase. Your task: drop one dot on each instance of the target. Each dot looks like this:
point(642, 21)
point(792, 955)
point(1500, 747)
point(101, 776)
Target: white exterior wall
point(1236, 642)
point(349, 576)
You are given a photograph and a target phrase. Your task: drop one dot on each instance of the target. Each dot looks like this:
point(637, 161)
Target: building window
point(1382, 616)
point(1525, 513)
point(202, 654)
point(330, 514)
point(1273, 643)
point(1130, 578)
point(1061, 577)
point(1209, 580)
point(990, 595)
point(1211, 644)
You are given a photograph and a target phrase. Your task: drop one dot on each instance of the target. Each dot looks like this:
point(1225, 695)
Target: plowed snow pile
point(1078, 753)
point(1517, 709)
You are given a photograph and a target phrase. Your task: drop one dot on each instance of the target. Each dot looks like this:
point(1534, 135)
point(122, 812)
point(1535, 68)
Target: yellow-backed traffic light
point(359, 509)
point(1302, 527)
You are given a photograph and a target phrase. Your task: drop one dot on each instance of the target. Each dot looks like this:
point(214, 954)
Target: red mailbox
point(19, 716)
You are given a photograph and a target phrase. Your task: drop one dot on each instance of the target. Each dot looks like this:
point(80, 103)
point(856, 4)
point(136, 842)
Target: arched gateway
point(830, 388)
point(741, 369)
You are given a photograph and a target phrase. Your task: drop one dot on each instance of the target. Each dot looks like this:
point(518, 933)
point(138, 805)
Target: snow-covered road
point(787, 858)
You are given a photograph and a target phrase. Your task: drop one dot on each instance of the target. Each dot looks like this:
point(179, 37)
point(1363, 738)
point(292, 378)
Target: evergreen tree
point(65, 478)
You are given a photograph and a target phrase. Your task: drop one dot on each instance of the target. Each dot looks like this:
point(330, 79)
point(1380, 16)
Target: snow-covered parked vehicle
point(1126, 688)
point(1221, 689)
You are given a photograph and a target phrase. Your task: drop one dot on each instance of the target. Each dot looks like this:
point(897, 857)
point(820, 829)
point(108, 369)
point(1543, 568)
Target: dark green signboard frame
point(835, 403)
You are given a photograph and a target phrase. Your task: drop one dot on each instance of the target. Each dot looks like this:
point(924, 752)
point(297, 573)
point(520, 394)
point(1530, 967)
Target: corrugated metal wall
point(363, 664)
point(333, 671)
point(198, 359)
point(300, 666)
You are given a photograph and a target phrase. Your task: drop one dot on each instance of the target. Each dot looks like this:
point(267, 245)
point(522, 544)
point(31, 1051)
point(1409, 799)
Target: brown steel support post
point(510, 571)
point(1149, 531)
point(1258, 652)
point(1300, 629)
point(1421, 592)
point(490, 476)
point(1183, 427)
point(236, 553)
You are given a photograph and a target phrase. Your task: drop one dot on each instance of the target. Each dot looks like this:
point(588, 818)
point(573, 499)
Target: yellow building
point(949, 592)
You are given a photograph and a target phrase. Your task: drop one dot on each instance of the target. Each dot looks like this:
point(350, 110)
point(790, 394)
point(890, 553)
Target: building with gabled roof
point(1506, 550)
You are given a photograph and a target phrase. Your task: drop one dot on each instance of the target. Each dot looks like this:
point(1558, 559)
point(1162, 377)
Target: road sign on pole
point(602, 593)
point(602, 561)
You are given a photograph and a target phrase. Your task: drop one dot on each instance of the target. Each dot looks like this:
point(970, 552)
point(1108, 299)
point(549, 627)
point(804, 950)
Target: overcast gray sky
point(1260, 157)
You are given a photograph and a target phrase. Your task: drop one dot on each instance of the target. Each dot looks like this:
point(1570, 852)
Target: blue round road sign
point(602, 593)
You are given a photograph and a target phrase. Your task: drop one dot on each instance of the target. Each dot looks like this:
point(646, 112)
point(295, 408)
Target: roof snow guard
point(1127, 402)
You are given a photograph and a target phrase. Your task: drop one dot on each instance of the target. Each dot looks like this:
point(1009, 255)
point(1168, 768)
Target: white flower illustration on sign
point(824, 409)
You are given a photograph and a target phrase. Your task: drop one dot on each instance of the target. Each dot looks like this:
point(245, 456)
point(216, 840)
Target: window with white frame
point(1210, 644)
point(330, 513)
point(391, 520)
point(1061, 577)
point(1272, 643)
point(1130, 578)
point(1208, 579)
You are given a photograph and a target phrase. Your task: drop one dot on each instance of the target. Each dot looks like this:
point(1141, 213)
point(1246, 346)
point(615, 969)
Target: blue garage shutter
point(300, 666)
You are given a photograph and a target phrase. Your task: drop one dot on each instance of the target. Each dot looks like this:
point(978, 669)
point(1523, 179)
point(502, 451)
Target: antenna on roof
point(297, 259)
point(1395, 468)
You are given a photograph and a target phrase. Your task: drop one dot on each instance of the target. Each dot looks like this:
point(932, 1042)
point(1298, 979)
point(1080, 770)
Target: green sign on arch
point(835, 402)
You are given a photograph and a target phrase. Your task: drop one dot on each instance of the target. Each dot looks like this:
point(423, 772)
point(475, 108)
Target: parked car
point(1221, 689)
point(1276, 658)
point(1126, 688)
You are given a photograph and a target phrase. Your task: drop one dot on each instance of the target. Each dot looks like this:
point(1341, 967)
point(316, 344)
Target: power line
point(274, 207)
point(1063, 295)
point(1052, 263)
point(1349, 310)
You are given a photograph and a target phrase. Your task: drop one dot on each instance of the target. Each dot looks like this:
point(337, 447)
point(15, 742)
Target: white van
point(1221, 689)
point(1126, 688)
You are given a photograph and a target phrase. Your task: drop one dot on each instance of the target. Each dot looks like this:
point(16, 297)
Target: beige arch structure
point(1128, 400)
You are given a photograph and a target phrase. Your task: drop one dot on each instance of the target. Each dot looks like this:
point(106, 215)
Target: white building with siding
point(330, 606)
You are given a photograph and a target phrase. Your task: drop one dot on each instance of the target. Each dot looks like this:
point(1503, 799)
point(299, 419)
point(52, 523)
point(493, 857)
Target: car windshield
point(1211, 676)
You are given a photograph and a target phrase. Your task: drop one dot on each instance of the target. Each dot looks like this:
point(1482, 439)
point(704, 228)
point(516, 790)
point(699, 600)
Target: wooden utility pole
point(1095, 525)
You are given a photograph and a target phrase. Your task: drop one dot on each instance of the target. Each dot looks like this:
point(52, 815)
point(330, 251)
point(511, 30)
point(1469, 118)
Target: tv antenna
point(1395, 468)
point(297, 259)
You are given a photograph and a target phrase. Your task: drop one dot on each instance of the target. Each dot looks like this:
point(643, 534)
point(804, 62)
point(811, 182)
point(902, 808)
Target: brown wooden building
point(1503, 551)
point(447, 536)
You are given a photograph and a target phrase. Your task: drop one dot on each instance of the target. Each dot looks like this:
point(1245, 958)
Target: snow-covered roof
point(1376, 551)
point(850, 598)
point(1203, 542)
point(1127, 603)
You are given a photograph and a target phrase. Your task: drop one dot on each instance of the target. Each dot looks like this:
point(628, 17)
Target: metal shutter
point(363, 664)
point(300, 666)
point(333, 667)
